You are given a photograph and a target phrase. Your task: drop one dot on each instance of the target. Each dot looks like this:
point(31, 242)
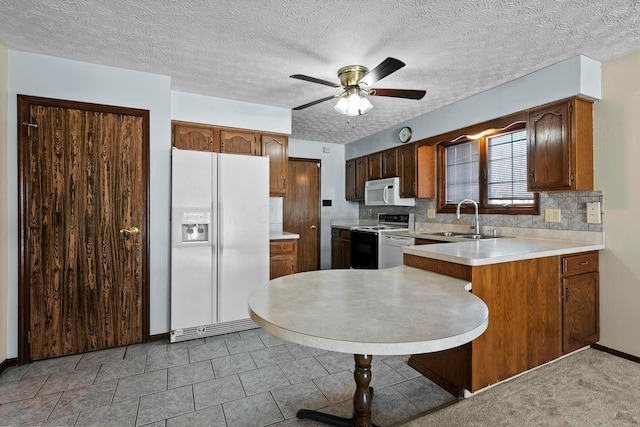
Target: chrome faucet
point(477, 218)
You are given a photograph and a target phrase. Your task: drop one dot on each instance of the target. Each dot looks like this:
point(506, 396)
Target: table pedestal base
point(361, 399)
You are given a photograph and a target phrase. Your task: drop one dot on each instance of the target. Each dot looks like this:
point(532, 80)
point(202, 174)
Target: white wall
point(4, 226)
point(575, 76)
point(617, 153)
point(332, 187)
point(194, 108)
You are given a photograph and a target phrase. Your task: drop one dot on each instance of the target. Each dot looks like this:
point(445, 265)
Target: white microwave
point(385, 192)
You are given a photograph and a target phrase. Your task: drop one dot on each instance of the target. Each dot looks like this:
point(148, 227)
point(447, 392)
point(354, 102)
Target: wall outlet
point(431, 213)
point(326, 212)
point(552, 215)
point(593, 213)
point(369, 212)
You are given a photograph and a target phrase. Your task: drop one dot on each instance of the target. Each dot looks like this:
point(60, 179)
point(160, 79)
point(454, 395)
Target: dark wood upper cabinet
point(426, 172)
point(374, 166)
point(356, 176)
point(560, 149)
point(238, 142)
point(389, 166)
point(406, 158)
point(276, 148)
point(350, 179)
point(192, 136)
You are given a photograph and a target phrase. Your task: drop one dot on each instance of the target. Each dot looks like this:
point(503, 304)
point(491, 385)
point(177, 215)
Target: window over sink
point(486, 163)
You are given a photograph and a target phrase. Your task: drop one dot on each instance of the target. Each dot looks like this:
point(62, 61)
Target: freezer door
point(243, 232)
point(193, 295)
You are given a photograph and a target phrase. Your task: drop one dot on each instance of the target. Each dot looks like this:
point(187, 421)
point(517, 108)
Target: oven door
point(364, 250)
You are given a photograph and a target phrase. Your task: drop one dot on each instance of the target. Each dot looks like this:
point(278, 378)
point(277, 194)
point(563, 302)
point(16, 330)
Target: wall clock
point(405, 134)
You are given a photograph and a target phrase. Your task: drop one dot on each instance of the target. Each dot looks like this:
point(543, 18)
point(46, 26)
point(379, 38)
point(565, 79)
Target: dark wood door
point(83, 221)
point(301, 211)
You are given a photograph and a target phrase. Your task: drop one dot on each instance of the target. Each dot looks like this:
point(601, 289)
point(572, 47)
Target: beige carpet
point(588, 388)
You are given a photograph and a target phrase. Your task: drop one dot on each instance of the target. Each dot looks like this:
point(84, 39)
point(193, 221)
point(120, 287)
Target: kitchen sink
point(477, 236)
point(470, 236)
point(444, 233)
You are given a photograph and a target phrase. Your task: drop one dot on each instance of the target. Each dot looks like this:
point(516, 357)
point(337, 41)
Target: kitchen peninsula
point(542, 297)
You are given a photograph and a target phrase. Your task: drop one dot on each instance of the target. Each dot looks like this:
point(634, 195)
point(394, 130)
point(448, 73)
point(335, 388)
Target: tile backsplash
point(572, 205)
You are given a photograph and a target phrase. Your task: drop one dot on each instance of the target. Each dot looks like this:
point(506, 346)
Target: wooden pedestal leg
point(361, 400)
point(362, 396)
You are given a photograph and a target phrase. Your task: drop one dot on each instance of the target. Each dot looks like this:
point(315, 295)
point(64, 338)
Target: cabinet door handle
point(584, 263)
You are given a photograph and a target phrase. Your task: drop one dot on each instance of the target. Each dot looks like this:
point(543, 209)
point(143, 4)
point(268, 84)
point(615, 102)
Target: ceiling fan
point(355, 82)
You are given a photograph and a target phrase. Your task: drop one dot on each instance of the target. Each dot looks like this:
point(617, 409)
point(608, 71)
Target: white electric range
point(371, 246)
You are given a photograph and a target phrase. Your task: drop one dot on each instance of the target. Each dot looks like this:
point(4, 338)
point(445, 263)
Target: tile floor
point(250, 378)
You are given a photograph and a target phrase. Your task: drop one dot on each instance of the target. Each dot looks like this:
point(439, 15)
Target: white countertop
point(493, 251)
point(282, 235)
point(399, 310)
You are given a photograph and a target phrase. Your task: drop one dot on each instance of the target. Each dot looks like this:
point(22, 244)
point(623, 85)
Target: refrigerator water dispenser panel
point(195, 227)
point(191, 227)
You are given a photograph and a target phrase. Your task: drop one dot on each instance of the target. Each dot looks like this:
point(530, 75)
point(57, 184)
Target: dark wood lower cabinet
point(283, 258)
point(530, 320)
point(340, 248)
point(580, 295)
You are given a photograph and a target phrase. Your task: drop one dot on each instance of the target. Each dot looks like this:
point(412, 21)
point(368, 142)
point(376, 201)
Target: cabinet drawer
point(345, 234)
point(282, 247)
point(581, 263)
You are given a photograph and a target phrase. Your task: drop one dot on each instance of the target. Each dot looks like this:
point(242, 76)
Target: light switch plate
point(593, 213)
point(431, 213)
point(552, 215)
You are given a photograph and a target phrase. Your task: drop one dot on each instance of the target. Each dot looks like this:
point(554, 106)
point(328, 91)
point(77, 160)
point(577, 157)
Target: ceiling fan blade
point(314, 80)
point(398, 93)
point(386, 67)
point(317, 101)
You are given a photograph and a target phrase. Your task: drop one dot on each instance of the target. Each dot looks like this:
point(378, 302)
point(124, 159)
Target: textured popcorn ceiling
point(246, 49)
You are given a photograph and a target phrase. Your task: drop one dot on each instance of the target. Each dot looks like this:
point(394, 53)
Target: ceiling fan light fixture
point(353, 103)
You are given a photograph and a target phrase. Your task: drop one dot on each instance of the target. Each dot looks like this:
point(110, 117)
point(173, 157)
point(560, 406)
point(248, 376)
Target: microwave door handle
point(384, 194)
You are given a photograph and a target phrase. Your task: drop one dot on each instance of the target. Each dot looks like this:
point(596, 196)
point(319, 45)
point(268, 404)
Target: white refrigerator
point(219, 240)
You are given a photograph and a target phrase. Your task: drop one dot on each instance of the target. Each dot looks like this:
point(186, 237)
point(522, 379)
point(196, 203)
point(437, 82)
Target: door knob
point(313, 227)
point(130, 231)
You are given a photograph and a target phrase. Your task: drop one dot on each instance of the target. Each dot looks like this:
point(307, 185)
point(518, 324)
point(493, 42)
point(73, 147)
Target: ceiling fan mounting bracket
point(351, 75)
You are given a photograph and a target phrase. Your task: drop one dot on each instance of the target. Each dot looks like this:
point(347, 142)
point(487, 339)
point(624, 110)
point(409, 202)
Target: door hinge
point(566, 294)
point(570, 108)
point(284, 183)
point(29, 337)
point(570, 177)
